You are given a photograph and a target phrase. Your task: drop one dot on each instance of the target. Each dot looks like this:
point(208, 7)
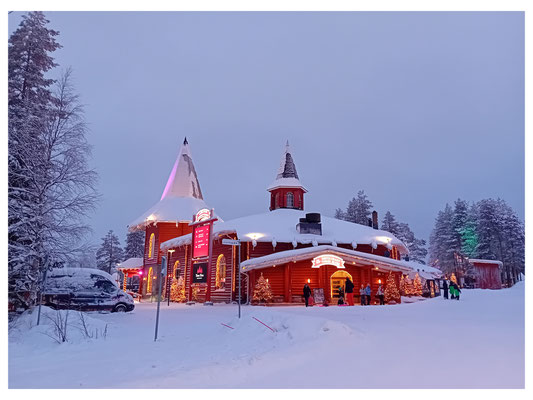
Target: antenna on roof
point(185, 141)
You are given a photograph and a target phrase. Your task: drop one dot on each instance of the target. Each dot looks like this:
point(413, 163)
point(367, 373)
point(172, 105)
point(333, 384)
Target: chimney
point(310, 224)
point(375, 219)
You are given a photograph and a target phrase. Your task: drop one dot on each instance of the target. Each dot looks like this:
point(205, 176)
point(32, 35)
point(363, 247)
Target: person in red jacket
point(349, 291)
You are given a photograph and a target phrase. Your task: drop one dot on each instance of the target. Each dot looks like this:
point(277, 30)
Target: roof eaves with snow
point(479, 261)
point(287, 256)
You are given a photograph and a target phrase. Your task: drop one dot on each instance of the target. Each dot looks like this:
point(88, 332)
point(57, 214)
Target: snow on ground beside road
point(477, 342)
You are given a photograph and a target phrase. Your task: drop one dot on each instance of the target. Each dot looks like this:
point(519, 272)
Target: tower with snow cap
point(170, 216)
point(287, 191)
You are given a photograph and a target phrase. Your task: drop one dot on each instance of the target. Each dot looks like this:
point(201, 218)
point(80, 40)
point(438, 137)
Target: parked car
point(84, 289)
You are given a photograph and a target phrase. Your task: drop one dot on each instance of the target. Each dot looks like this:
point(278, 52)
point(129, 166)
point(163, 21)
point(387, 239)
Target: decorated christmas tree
point(177, 290)
point(402, 286)
point(409, 288)
point(262, 290)
point(391, 291)
point(417, 285)
point(195, 293)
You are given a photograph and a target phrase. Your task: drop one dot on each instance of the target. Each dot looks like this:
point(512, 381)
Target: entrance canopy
point(349, 256)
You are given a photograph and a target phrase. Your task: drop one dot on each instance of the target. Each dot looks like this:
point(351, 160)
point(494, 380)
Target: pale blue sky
point(417, 108)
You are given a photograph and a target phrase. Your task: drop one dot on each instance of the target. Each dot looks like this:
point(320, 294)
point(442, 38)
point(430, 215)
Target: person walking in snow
point(349, 291)
point(307, 294)
point(454, 290)
point(445, 289)
point(368, 293)
point(362, 293)
point(381, 295)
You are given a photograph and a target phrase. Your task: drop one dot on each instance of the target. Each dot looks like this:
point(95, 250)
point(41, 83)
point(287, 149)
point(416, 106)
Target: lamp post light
point(169, 276)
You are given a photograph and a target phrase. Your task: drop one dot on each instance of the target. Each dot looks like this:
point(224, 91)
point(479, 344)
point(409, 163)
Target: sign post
point(232, 242)
point(161, 275)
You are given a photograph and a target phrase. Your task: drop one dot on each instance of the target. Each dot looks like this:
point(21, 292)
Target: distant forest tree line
point(487, 229)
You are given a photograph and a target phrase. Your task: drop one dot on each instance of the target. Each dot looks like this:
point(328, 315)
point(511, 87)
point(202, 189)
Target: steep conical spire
point(183, 181)
point(287, 169)
point(287, 175)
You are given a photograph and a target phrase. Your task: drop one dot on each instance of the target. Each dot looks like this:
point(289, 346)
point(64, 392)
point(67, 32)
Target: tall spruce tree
point(390, 224)
point(29, 103)
point(359, 209)
point(134, 244)
point(441, 252)
point(109, 253)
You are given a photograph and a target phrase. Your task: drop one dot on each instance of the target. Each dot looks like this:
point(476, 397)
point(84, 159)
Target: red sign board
point(201, 241)
point(328, 259)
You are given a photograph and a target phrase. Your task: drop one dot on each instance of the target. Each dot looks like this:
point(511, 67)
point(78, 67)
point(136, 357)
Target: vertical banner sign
point(202, 230)
point(201, 241)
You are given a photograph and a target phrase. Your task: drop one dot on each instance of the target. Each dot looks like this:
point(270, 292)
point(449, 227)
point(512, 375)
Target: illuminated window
point(276, 200)
point(290, 200)
point(149, 284)
point(220, 277)
point(151, 246)
point(176, 271)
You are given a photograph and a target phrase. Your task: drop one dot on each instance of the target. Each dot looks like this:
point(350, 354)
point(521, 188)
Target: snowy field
point(477, 342)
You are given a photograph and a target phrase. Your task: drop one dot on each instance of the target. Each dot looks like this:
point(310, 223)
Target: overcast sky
point(417, 109)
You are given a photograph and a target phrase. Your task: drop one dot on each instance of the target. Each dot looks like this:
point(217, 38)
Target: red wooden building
point(487, 273)
point(283, 244)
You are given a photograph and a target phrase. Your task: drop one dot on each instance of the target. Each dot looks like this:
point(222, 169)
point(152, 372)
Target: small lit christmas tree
point(402, 286)
point(417, 285)
point(177, 290)
point(262, 290)
point(391, 291)
point(453, 278)
point(409, 288)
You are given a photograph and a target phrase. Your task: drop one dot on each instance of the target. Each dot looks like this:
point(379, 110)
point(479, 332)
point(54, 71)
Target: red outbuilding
point(487, 273)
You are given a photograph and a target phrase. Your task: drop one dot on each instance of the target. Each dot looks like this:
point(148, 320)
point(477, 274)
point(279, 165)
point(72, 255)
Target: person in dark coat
point(307, 294)
point(445, 288)
point(363, 295)
point(349, 291)
point(381, 295)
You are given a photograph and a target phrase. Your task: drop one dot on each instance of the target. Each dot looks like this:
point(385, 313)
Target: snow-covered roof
point(305, 253)
point(477, 260)
point(181, 198)
point(423, 268)
point(131, 263)
point(287, 175)
point(280, 226)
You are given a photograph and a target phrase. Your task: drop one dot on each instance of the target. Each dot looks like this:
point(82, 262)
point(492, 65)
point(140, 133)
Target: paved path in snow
point(477, 342)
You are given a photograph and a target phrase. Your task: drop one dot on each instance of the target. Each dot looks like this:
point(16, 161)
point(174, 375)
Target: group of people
point(346, 294)
point(453, 288)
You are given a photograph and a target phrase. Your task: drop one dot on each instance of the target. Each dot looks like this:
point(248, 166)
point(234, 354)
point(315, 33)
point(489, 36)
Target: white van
point(84, 289)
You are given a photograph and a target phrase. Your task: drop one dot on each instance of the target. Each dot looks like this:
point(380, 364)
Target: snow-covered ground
point(477, 342)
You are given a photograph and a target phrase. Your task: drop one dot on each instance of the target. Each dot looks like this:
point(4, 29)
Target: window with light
point(220, 278)
point(151, 246)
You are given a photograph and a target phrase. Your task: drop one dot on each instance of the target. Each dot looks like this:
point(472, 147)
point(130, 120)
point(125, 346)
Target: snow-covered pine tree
point(339, 214)
point(441, 241)
point(29, 100)
point(390, 224)
point(459, 221)
point(469, 239)
point(110, 253)
point(417, 249)
point(359, 209)
point(134, 245)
